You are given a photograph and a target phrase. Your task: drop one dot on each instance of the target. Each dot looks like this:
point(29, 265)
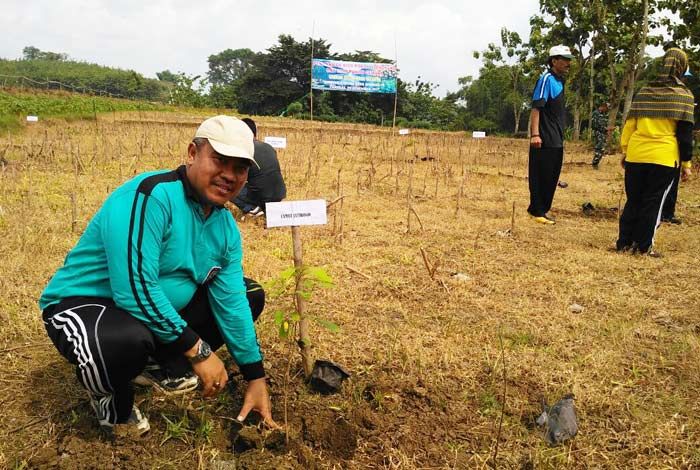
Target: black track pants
point(647, 186)
point(544, 167)
point(109, 347)
point(669, 209)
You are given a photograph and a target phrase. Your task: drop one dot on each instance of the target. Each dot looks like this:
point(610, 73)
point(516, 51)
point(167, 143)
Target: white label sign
point(276, 142)
point(32, 118)
point(404, 131)
point(478, 134)
point(289, 213)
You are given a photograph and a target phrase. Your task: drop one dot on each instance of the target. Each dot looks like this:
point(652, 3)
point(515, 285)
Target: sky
point(431, 39)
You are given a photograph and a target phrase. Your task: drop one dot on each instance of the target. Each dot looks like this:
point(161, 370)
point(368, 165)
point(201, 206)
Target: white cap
point(562, 51)
point(229, 136)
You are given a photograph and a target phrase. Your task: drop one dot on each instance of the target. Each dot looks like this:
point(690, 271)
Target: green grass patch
point(15, 106)
point(9, 123)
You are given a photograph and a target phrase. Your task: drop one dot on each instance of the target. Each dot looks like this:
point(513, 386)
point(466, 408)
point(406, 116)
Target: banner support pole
point(396, 93)
point(311, 76)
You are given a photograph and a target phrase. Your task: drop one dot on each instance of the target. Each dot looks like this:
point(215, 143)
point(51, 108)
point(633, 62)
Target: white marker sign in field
point(291, 213)
point(404, 131)
point(478, 134)
point(32, 118)
point(276, 142)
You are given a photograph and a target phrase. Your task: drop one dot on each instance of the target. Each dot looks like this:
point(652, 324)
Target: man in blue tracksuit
point(547, 123)
point(158, 275)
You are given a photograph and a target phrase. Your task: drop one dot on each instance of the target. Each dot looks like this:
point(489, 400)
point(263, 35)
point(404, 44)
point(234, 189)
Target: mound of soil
point(75, 453)
point(333, 434)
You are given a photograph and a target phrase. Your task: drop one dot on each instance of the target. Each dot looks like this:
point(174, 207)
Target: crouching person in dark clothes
point(657, 139)
point(155, 285)
point(265, 183)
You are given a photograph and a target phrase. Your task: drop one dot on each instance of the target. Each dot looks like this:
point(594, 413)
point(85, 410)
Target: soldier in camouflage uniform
point(599, 125)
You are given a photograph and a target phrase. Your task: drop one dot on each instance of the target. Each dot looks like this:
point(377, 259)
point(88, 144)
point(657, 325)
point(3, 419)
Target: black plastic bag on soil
point(560, 420)
point(327, 377)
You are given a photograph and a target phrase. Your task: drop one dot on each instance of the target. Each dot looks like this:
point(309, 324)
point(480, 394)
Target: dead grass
point(426, 390)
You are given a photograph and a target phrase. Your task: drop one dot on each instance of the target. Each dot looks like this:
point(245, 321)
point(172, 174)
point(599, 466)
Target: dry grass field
point(447, 371)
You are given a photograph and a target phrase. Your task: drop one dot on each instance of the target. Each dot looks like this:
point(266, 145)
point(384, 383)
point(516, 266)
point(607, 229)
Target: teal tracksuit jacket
point(149, 248)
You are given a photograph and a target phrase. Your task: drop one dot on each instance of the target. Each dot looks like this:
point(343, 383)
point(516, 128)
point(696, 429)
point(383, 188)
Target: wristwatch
point(203, 353)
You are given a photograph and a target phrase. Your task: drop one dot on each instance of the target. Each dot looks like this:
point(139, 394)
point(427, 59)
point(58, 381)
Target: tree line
point(56, 71)
point(607, 38)
point(277, 82)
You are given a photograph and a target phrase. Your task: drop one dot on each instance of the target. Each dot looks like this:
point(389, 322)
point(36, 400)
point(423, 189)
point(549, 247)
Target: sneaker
point(154, 375)
point(136, 425)
point(550, 217)
point(672, 220)
point(542, 220)
point(257, 212)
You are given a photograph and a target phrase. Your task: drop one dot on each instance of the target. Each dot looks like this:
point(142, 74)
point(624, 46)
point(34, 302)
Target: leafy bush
point(482, 124)
point(420, 124)
point(294, 108)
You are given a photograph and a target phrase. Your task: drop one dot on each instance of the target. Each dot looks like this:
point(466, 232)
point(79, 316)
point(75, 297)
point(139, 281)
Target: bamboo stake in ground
point(460, 192)
point(304, 340)
point(430, 267)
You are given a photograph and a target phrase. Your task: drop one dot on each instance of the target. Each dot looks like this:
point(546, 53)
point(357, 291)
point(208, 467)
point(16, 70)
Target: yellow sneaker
point(543, 220)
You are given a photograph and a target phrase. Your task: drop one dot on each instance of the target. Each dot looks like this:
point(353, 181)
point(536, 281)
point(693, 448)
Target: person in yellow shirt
point(656, 139)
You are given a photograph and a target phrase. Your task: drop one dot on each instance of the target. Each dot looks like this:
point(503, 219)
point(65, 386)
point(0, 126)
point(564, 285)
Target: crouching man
point(155, 285)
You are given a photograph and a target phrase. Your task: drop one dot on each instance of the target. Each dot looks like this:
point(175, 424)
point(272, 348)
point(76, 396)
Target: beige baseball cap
point(562, 51)
point(229, 136)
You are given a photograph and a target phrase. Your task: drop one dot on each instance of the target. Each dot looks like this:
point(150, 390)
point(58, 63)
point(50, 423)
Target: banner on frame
point(366, 77)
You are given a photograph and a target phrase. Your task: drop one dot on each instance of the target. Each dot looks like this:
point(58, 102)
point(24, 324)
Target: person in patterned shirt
point(601, 132)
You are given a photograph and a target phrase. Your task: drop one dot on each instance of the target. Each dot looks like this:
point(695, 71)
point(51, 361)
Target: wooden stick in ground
point(304, 339)
point(332, 203)
point(73, 213)
point(431, 267)
point(417, 218)
point(459, 196)
point(512, 220)
point(428, 267)
point(357, 271)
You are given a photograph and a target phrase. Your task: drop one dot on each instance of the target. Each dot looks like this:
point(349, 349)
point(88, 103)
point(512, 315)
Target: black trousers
point(109, 347)
point(669, 209)
point(647, 185)
point(544, 167)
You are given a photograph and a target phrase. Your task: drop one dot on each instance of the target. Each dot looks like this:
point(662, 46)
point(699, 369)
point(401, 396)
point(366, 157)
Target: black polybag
point(327, 377)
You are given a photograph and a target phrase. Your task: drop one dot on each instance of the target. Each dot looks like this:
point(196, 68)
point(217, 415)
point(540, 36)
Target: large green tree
point(228, 66)
point(226, 69)
point(570, 23)
point(278, 77)
point(484, 100)
point(513, 57)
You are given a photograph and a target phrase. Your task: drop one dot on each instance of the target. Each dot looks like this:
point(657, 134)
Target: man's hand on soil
point(212, 374)
point(257, 399)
